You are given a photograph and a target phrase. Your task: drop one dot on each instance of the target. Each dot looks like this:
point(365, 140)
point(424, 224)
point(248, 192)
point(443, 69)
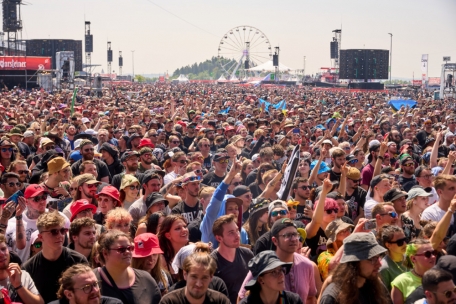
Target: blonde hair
point(117, 215)
point(49, 219)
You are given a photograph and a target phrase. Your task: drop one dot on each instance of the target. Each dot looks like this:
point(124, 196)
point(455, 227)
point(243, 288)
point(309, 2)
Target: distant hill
point(209, 69)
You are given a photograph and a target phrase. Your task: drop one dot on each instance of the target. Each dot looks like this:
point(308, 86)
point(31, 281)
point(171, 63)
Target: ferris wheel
point(242, 48)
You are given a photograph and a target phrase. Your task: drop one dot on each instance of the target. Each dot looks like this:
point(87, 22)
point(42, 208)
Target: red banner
point(14, 63)
point(417, 82)
point(434, 81)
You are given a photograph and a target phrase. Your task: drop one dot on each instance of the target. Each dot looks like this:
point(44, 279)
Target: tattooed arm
point(6, 214)
point(20, 229)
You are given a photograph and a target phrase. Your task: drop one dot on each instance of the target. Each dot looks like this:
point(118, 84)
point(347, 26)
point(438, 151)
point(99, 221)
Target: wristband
point(380, 157)
point(2, 226)
point(449, 209)
point(19, 217)
point(18, 287)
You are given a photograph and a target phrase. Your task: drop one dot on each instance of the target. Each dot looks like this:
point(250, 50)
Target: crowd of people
point(161, 193)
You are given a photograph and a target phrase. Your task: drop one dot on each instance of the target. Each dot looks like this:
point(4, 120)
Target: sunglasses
point(192, 179)
point(399, 242)
point(56, 231)
point(11, 184)
point(37, 199)
point(292, 207)
point(133, 187)
point(236, 184)
point(408, 165)
point(329, 211)
point(122, 250)
point(91, 186)
point(205, 146)
point(37, 245)
point(281, 212)
point(23, 171)
point(73, 189)
point(391, 213)
point(448, 293)
point(304, 187)
point(183, 161)
point(198, 171)
point(175, 142)
point(153, 135)
point(7, 150)
point(355, 180)
point(428, 253)
point(89, 150)
point(223, 161)
point(47, 148)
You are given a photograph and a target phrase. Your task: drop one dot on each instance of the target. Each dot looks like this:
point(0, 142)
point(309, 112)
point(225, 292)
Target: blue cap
point(76, 155)
point(323, 167)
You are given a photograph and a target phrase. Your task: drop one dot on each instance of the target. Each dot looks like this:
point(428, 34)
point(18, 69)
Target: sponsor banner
point(14, 63)
point(434, 81)
point(417, 82)
point(424, 65)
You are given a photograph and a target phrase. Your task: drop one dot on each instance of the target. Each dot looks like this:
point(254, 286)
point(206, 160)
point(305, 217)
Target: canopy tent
point(269, 67)
point(181, 79)
point(398, 103)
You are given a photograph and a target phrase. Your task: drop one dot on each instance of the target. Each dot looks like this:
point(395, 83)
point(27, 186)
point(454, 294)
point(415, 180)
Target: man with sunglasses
point(191, 134)
point(46, 267)
point(220, 165)
point(179, 162)
point(384, 214)
point(10, 183)
point(425, 133)
point(355, 196)
point(88, 153)
point(301, 193)
point(407, 178)
point(18, 283)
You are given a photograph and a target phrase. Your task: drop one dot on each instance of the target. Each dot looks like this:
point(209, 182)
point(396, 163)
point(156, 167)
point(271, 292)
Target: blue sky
point(163, 42)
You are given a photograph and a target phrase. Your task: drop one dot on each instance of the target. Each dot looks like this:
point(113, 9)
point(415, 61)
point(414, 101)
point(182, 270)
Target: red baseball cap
point(34, 190)
point(146, 244)
point(110, 191)
point(229, 128)
point(183, 124)
point(79, 206)
point(146, 142)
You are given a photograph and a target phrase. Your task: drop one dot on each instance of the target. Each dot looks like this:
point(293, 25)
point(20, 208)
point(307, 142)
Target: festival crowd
point(164, 193)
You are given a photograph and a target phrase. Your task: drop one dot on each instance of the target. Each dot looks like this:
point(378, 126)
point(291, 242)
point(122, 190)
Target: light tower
point(335, 48)
point(12, 25)
point(120, 62)
point(88, 49)
point(109, 58)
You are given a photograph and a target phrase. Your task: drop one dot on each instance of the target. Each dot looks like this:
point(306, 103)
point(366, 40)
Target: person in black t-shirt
point(301, 192)
point(46, 266)
point(232, 260)
point(116, 253)
point(198, 272)
point(87, 151)
point(355, 196)
point(338, 159)
point(220, 164)
point(191, 208)
point(408, 171)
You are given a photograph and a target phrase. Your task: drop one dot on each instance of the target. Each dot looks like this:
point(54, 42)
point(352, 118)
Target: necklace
point(414, 272)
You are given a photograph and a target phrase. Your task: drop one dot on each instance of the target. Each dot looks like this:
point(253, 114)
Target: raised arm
point(317, 218)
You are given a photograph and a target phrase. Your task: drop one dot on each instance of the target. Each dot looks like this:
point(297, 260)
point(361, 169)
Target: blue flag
point(225, 111)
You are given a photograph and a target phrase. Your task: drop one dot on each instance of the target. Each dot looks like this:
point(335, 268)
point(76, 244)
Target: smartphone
point(309, 204)
point(15, 197)
point(2, 201)
point(369, 225)
point(64, 121)
point(296, 131)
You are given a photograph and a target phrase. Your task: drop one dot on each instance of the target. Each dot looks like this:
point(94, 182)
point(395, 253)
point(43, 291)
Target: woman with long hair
point(417, 201)
point(422, 257)
point(129, 190)
point(257, 224)
point(268, 282)
point(118, 279)
point(393, 239)
point(247, 167)
point(147, 256)
point(151, 223)
point(258, 186)
point(361, 157)
point(173, 235)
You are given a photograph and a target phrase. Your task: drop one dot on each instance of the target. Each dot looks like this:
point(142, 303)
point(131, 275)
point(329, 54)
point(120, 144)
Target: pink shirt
point(299, 280)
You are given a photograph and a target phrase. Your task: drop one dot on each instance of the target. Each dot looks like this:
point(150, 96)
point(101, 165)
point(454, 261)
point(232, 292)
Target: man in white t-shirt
point(35, 200)
point(424, 177)
point(445, 185)
point(379, 185)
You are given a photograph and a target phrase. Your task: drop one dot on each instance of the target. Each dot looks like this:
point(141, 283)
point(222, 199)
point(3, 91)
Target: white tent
point(181, 79)
point(269, 67)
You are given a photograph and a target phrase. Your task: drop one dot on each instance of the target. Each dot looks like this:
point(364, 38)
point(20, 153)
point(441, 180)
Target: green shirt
point(406, 283)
